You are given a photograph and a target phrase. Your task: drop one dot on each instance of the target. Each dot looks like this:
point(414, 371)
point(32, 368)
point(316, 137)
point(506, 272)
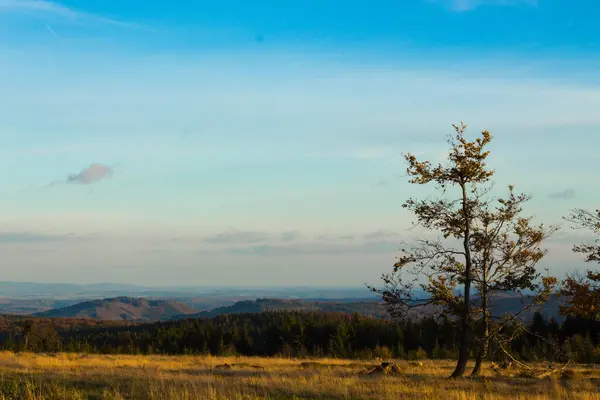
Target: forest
point(305, 334)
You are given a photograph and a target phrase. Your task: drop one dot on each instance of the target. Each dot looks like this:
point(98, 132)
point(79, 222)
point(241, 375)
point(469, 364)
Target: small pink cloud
point(94, 173)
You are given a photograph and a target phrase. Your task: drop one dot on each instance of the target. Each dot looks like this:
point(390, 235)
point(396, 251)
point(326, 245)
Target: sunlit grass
point(82, 376)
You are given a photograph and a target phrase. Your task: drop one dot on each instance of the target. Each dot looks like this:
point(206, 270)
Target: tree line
point(308, 334)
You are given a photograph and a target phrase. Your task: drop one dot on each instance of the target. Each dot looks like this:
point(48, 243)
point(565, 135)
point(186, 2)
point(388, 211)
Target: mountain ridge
point(141, 309)
point(121, 308)
point(372, 308)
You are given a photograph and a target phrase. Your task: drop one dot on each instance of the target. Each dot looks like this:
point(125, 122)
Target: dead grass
point(80, 376)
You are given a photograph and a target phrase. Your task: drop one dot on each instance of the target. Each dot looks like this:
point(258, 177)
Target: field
point(81, 376)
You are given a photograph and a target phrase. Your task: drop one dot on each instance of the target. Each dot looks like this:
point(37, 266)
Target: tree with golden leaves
point(583, 293)
point(505, 248)
point(484, 245)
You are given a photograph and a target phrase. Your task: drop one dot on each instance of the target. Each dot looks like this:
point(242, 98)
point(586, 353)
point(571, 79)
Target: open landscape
point(299, 200)
point(84, 376)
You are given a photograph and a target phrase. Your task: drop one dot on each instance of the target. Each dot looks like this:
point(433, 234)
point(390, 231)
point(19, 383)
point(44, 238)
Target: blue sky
point(259, 143)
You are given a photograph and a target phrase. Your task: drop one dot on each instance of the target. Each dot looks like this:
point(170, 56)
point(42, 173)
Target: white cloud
point(53, 9)
point(42, 6)
point(28, 237)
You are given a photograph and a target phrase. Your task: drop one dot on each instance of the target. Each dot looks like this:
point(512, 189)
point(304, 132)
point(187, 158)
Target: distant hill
point(147, 310)
point(504, 303)
point(122, 308)
point(501, 304)
point(372, 308)
point(507, 303)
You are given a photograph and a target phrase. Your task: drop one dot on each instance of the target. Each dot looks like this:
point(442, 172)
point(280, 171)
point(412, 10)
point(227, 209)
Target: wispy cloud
point(322, 248)
point(467, 5)
point(566, 194)
point(39, 6)
point(380, 183)
point(330, 237)
point(94, 173)
point(234, 236)
point(381, 234)
point(33, 237)
point(251, 237)
point(288, 243)
point(52, 31)
point(290, 236)
point(54, 9)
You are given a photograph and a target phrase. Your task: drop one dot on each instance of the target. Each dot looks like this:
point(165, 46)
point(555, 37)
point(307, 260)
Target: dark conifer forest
point(299, 335)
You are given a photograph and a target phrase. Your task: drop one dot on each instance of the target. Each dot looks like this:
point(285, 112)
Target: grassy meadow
point(83, 376)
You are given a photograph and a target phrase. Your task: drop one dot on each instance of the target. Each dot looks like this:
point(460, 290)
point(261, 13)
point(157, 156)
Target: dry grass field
point(80, 376)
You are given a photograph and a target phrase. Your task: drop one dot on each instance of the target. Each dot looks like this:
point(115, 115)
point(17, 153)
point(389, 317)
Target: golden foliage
point(583, 293)
point(466, 162)
point(499, 248)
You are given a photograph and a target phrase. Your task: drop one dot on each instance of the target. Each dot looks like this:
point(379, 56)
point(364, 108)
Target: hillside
point(141, 309)
point(122, 308)
point(500, 305)
point(371, 308)
point(15, 323)
point(510, 303)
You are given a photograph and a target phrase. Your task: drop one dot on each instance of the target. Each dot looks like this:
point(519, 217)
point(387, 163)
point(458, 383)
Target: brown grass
point(80, 376)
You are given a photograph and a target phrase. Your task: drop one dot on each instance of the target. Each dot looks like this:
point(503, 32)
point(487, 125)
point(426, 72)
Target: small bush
point(418, 354)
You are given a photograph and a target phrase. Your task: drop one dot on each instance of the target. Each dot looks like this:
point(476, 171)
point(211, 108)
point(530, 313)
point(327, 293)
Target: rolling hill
point(122, 308)
point(371, 308)
point(500, 304)
point(148, 310)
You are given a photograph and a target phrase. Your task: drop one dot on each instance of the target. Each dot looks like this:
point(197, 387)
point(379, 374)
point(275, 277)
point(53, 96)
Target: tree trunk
point(486, 330)
point(480, 357)
point(463, 351)
point(465, 328)
point(482, 353)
